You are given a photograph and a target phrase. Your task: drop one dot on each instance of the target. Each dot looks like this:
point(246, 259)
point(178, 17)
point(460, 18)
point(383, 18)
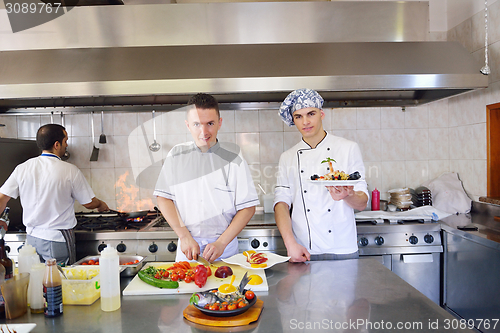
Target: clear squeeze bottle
point(109, 276)
point(52, 290)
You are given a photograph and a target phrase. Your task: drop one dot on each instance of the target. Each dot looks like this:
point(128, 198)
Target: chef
point(48, 188)
point(316, 221)
point(205, 190)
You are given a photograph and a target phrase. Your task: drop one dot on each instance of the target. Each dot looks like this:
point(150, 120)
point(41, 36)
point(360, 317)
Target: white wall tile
point(173, 122)
point(268, 175)
point(227, 121)
point(327, 120)
point(290, 139)
point(369, 143)
point(416, 144)
point(368, 118)
point(343, 119)
point(10, 128)
point(78, 124)
point(479, 141)
point(478, 31)
point(480, 187)
point(439, 148)
point(79, 149)
point(417, 172)
point(271, 147)
point(103, 183)
point(27, 126)
point(494, 22)
point(417, 117)
point(246, 121)
point(346, 134)
point(392, 144)
point(227, 137)
point(392, 117)
point(249, 144)
point(438, 114)
point(438, 167)
point(124, 122)
point(168, 141)
point(269, 121)
point(393, 176)
point(373, 175)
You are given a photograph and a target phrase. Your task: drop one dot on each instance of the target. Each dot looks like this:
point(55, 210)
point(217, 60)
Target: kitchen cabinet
point(471, 277)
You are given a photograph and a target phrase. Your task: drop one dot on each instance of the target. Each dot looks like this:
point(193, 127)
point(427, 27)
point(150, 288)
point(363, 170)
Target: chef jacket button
point(308, 210)
point(327, 148)
point(302, 171)
point(329, 231)
point(300, 152)
point(329, 210)
point(305, 191)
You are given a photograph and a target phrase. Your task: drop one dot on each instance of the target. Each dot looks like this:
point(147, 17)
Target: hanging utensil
point(102, 138)
point(155, 146)
point(66, 155)
point(95, 150)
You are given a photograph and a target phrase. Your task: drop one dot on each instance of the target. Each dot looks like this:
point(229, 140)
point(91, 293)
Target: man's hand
point(340, 192)
point(103, 207)
point(213, 251)
point(190, 247)
point(298, 253)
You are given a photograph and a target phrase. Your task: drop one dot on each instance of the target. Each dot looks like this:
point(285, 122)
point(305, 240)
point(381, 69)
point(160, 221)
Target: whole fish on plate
point(205, 297)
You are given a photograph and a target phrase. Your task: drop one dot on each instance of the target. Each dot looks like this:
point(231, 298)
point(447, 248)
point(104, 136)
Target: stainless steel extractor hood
point(354, 54)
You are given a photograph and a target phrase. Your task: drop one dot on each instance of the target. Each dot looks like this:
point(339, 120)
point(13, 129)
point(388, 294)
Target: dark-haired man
point(205, 190)
point(48, 188)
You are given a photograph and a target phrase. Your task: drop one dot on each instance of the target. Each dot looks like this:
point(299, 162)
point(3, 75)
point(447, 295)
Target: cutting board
point(196, 316)
point(138, 287)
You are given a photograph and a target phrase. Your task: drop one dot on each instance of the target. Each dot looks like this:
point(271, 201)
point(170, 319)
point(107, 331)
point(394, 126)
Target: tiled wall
point(399, 148)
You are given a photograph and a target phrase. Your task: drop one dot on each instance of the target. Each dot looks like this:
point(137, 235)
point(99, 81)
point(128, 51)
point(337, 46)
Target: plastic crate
point(82, 286)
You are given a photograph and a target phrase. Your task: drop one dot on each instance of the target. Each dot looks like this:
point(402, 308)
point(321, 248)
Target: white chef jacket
point(207, 188)
point(48, 188)
point(319, 223)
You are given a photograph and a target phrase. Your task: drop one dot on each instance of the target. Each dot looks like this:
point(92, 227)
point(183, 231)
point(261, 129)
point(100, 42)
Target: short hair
point(205, 101)
point(48, 135)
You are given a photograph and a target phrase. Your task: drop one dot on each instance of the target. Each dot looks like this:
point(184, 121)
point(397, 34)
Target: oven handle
point(417, 258)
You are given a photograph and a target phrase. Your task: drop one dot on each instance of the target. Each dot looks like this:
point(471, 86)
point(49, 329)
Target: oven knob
point(153, 248)
point(172, 247)
point(255, 243)
point(413, 240)
point(428, 238)
point(101, 247)
point(7, 248)
point(121, 247)
point(363, 241)
point(379, 240)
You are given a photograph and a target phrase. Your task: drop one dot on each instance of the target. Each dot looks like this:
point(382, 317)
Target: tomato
point(97, 262)
point(241, 305)
point(214, 306)
point(232, 306)
point(136, 261)
point(91, 262)
point(249, 295)
point(182, 275)
point(223, 307)
point(157, 275)
point(165, 274)
point(209, 270)
point(174, 277)
point(206, 306)
point(188, 279)
point(84, 263)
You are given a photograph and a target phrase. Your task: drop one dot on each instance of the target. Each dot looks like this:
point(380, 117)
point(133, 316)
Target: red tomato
point(157, 275)
point(174, 277)
point(136, 261)
point(249, 295)
point(96, 262)
point(182, 275)
point(188, 279)
point(84, 263)
point(223, 307)
point(214, 306)
point(165, 274)
point(206, 306)
point(232, 306)
point(91, 262)
point(241, 305)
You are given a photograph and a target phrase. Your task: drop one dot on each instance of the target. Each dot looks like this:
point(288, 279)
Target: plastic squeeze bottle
point(36, 301)
point(109, 276)
point(375, 199)
point(52, 290)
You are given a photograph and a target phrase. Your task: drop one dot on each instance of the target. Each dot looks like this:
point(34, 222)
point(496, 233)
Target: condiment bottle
point(36, 300)
point(26, 259)
point(109, 275)
point(2, 302)
point(52, 290)
point(375, 199)
point(5, 261)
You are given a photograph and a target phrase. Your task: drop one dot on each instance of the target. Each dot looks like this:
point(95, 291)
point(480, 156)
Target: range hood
point(138, 57)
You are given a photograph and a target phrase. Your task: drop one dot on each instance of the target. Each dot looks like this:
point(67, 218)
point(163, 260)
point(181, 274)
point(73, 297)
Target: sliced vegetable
point(223, 272)
point(200, 275)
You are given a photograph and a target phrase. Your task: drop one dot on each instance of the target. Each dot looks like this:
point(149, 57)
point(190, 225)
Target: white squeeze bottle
point(109, 279)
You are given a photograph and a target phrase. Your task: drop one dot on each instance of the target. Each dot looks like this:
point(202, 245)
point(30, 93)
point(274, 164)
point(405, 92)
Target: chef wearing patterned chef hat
point(317, 222)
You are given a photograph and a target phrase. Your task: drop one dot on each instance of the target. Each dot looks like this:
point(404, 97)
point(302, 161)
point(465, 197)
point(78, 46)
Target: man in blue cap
point(321, 225)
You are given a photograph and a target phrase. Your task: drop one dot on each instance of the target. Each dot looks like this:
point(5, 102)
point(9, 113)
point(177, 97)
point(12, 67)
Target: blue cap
point(297, 100)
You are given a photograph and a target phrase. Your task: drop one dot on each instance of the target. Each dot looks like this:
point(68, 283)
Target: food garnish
point(335, 174)
point(223, 272)
point(256, 258)
point(179, 271)
point(158, 278)
point(255, 280)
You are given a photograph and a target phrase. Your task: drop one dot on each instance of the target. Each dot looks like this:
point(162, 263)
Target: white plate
point(336, 182)
point(240, 259)
point(19, 328)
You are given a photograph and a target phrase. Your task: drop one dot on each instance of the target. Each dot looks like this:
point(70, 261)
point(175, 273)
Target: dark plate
point(228, 313)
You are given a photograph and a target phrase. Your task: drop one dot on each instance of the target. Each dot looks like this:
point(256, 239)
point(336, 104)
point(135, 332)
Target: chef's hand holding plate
point(340, 192)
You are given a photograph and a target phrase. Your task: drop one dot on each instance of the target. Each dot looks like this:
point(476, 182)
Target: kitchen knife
point(202, 261)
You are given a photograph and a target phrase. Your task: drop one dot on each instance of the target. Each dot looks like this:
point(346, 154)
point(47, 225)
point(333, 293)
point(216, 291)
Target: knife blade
point(202, 260)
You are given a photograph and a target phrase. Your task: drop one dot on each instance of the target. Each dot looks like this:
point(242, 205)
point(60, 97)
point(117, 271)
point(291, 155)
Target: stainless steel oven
point(411, 250)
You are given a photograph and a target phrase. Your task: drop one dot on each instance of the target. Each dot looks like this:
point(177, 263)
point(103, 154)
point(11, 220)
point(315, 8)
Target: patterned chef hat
point(299, 99)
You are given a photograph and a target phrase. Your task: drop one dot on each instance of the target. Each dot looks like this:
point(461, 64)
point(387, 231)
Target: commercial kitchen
point(397, 78)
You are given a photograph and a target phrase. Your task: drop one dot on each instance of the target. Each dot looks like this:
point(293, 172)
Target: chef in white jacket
point(316, 221)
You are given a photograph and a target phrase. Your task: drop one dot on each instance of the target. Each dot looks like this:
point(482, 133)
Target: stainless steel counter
point(351, 295)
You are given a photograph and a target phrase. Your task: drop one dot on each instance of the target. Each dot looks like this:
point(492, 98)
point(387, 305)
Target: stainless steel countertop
point(327, 294)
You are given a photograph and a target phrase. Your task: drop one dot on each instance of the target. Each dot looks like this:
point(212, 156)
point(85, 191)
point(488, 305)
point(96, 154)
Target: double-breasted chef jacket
point(319, 223)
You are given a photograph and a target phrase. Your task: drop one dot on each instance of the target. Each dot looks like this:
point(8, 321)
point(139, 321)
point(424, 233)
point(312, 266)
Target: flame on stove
point(127, 196)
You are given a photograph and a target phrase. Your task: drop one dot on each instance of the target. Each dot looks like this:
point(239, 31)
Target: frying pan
point(131, 215)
